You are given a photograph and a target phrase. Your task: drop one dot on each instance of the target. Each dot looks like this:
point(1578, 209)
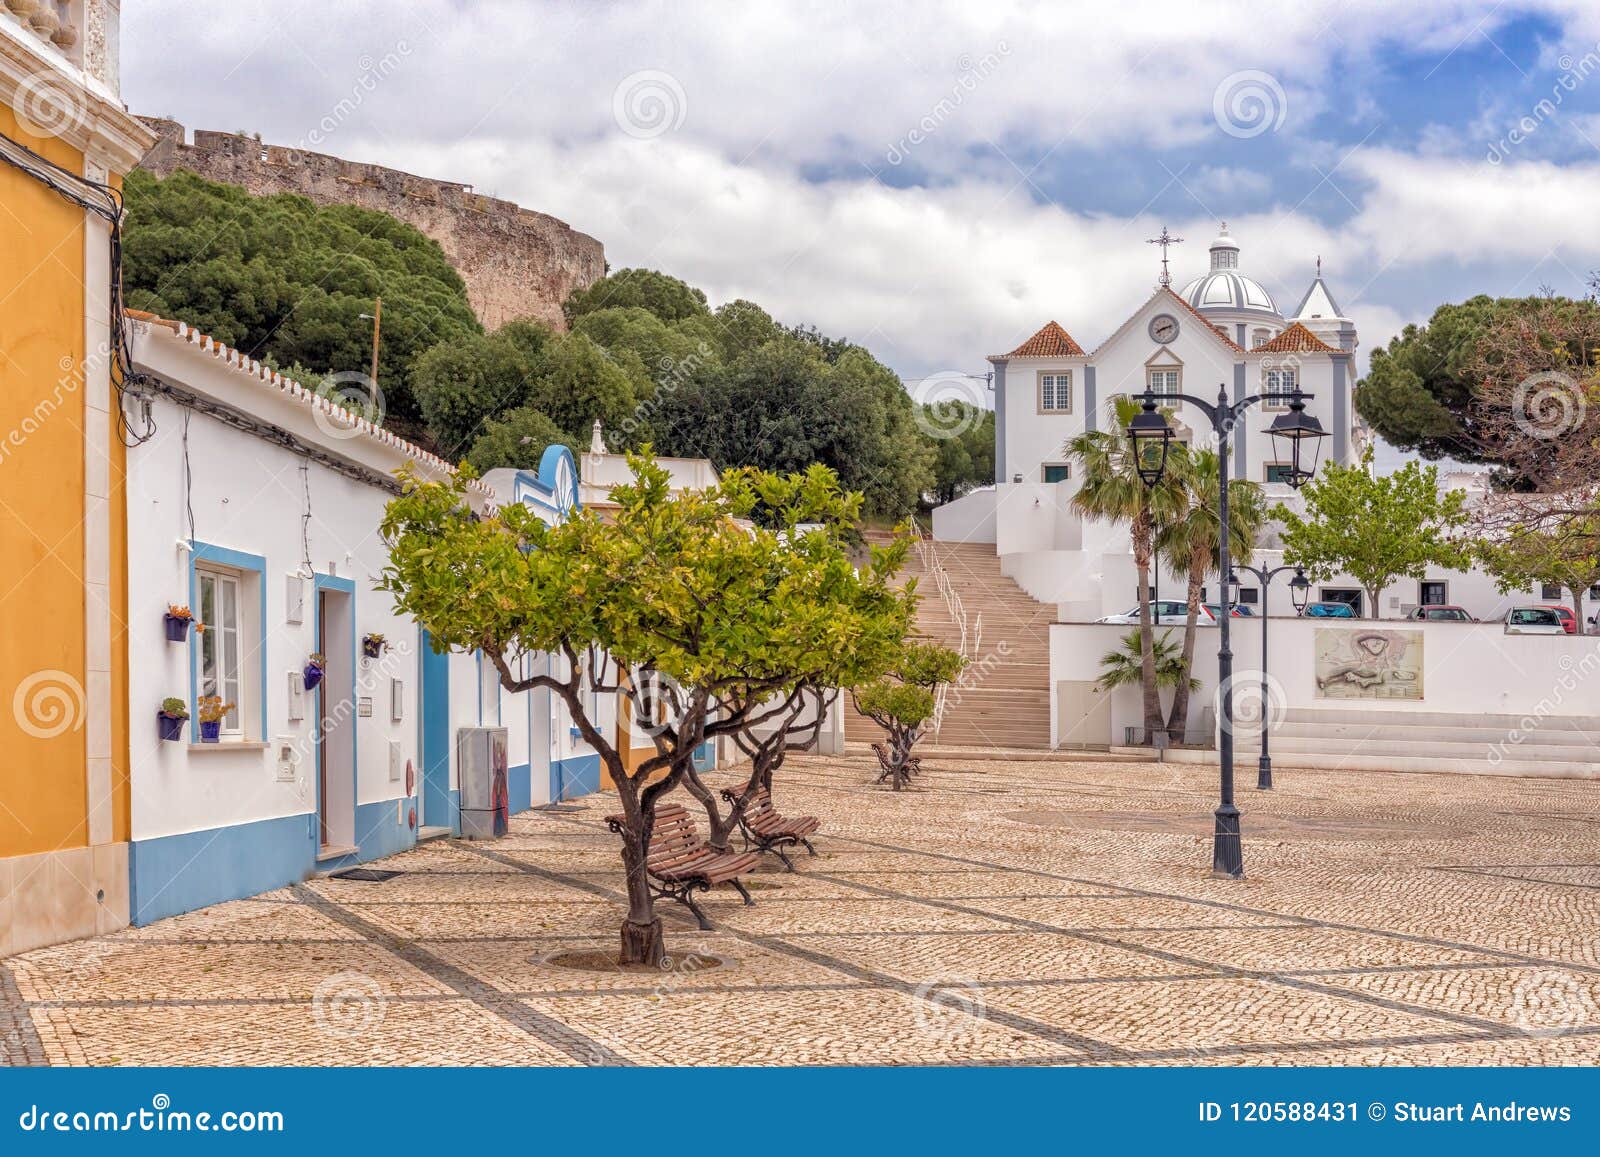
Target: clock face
point(1163, 328)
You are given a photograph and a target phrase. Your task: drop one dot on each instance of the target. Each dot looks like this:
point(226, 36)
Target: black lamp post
point(1291, 431)
point(1299, 594)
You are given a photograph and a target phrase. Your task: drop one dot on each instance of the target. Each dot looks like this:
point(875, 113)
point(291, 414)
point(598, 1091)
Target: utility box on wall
point(485, 798)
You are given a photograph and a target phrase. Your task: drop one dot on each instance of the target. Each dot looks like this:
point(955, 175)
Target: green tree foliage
point(672, 601)
point(1561, 550)
point(1375, 528)
point(904, 699)
point(964, 460)
point(1124, 667)
point(1424, 391)
point(517, 439)
point(666, 297)
point(280, 277)
point(463, 384)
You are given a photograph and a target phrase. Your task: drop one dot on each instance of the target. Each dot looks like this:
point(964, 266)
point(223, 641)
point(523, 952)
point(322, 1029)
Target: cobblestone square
point(1041, 912)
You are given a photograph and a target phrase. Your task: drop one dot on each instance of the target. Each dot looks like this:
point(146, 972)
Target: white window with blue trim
point(228, 647)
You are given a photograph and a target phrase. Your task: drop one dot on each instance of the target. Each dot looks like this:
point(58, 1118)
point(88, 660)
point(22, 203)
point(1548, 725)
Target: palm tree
point(1112, 490)
point(1192, 545)
point(1124, 666)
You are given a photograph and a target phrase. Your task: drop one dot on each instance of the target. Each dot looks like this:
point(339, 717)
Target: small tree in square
point(705, 610)
point(903, 702)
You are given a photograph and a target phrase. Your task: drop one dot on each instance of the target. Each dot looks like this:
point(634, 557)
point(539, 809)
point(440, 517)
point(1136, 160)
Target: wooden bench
point(913, 763)
point(683, 863)
point(769, 831)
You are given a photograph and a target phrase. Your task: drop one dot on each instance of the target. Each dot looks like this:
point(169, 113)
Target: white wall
point(1470, 669)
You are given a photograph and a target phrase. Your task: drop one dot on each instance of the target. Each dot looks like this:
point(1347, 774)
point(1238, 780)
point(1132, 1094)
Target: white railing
point(969, 635)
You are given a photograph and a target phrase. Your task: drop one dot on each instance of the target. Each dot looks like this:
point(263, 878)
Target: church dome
point(1224, 289)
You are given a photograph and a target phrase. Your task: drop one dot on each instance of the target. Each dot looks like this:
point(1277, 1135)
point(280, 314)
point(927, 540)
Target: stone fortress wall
point(516, 262)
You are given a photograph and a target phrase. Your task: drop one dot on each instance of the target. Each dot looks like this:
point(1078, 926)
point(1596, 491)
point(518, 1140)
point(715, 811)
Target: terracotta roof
point(1050, 342)
point(1297, 339)
point(245, 364)
point(1179, 298)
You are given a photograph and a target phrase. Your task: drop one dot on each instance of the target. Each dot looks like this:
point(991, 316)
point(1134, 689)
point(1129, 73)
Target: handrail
point(967, 645)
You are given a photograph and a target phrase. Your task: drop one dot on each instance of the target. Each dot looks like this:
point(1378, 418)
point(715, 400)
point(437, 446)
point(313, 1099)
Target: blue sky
point(937, 180)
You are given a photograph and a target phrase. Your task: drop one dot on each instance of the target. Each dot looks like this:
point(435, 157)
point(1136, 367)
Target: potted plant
point(178, 621)
point(312, 674)
point(372, 645)
point(212, 712)
point(171, 717)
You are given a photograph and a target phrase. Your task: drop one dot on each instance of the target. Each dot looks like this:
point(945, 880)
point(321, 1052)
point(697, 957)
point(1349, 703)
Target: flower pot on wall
point(372, 647)
point(178, 628)
point(210, 732)
point(311, 676)
point(171, 726)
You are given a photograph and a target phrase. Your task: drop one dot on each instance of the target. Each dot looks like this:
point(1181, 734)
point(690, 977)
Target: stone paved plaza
point(1041, 912)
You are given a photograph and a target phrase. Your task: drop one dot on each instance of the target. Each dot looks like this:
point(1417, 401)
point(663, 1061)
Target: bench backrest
point(674, 832)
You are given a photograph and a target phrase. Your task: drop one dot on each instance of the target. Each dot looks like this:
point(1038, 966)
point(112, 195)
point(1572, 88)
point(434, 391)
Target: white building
point(258, 506)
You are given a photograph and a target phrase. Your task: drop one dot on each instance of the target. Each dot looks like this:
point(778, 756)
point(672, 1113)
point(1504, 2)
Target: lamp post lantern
point(1151, 435)
point(1299, 594)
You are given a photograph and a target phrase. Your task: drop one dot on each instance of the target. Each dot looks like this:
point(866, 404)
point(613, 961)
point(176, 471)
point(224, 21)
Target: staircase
point(1003, 700)
point(1563, 746)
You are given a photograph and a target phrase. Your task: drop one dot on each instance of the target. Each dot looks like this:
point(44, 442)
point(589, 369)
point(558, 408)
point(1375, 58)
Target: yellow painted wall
point(43, 791)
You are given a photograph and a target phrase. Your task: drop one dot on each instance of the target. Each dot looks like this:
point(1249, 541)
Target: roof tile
point(1050, 342)
point(1297, 339)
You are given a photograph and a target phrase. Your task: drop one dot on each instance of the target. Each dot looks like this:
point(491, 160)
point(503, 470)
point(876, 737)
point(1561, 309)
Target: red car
point(1569, 621)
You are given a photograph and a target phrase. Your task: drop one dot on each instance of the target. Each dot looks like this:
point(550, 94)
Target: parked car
point(1330, 610)
point(1533, 621)
point(1442, 613)
point(1235, 612)
point(1165, 613)
point(1569, 621)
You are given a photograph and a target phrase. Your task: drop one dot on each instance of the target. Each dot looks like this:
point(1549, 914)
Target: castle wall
point(515, 262)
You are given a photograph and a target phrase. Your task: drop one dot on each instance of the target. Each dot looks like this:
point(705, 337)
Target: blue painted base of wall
point(381, 830)
point(173, 874)
point(519, 788)
point(571, 778)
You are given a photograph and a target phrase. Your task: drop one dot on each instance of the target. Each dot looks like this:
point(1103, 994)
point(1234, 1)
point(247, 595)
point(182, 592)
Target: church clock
point(1163, 328)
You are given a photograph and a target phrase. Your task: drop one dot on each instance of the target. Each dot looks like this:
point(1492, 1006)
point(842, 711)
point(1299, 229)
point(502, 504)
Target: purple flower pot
point(171, 725)
point(311, 676)
point(210, 732)
point(177, 628)
point(372, 648)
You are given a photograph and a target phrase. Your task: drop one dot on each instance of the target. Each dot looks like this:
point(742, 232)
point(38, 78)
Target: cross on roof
point(1164, 240)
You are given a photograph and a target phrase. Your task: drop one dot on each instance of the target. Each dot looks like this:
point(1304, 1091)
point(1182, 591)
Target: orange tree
point(729, 598)
point(903, 701)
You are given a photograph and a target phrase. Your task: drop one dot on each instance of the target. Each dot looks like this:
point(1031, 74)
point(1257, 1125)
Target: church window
point(1057, 471)
point(1278, 380)
point(1261, 337)
point(1164, 381)
point(1055, 393)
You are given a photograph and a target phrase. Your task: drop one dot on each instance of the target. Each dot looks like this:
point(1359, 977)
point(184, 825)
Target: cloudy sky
point(937, 180)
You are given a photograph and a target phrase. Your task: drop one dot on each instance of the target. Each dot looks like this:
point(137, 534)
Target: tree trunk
point(1375, 611)
point(1178, 721)
point(1577, 610)
point(642, 941)
point(720, 826)
point(1147, 657)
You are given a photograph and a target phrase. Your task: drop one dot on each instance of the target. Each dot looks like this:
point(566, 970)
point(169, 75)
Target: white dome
point(1227, 291)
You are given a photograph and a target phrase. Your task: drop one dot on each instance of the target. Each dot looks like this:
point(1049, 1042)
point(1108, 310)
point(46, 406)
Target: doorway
point(433, 672)
point(335, 718)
